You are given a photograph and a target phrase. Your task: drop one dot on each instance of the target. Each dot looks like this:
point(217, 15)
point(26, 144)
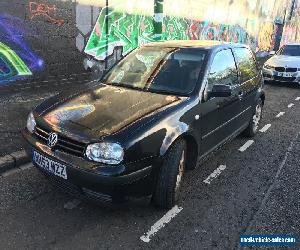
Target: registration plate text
point(285, 74)
point(49, 165)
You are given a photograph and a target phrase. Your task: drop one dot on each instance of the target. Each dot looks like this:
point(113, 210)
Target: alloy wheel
point(257, 117)
point(180, 173)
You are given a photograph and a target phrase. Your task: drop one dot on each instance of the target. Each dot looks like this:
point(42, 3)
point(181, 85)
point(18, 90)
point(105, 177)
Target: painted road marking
point(72, 204)
point(215, 174)
point(298, 98)
point(265, 128)
point(268, 193)
point(161, 223)
point(291, 105)
point(246, 145)
point(280, 114)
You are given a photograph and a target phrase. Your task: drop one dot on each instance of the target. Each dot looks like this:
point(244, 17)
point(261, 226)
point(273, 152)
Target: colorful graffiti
point(68, 32)
point(17, 60)
point(11, 64)
point(242, 21)
point(115, 29)
point(175, 28)
point(45, 10)
point(266, 36)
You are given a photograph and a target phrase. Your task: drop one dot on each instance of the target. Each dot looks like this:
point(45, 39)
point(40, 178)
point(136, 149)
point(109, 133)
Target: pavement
point(234, 192)
point(19, 98)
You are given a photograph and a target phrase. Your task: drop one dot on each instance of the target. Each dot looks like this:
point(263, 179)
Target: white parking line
point(214, 174)
point(72, 204)
point(265, 128)
point(298, 98)
point(270, 189)
point(246, 145)
point(291, 105)
point(280, 114)
point(161, 223)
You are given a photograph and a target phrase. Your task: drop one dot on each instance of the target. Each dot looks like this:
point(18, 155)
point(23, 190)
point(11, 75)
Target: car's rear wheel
point(170, 177)
point(252, 128)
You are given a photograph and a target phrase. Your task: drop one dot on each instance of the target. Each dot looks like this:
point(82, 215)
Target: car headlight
point(267, 66)
point(105, 152)
point(31, 123)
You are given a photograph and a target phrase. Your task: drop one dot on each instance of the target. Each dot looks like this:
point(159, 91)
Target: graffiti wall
point(43, 38)
point(124, 25)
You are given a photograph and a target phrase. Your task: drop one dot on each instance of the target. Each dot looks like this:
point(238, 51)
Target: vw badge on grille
point(52, 140)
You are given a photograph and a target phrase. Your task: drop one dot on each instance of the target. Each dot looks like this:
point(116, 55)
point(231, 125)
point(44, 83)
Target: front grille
point(284, 79)
point(291, 69)
point(64, 144)
point(282, 69)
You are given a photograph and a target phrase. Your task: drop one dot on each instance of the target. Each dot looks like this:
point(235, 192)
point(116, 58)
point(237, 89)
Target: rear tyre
point(252, 128)
point(170, 177)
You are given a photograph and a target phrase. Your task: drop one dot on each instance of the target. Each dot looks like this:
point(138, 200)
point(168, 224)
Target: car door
point(249, 81)
point(219, 114)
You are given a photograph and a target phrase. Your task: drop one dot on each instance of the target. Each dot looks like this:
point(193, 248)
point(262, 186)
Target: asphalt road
point(256, 193)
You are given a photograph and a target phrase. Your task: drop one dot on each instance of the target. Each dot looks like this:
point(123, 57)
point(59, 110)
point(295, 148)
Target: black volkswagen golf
point(154, 115)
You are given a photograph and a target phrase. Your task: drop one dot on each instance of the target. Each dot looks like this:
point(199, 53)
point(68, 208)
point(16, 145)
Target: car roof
point(204, 44)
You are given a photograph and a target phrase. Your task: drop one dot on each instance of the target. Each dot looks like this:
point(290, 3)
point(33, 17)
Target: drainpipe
point(158, 19)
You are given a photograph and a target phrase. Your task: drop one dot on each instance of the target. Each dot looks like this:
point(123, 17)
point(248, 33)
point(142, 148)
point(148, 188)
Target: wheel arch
point(192, 149)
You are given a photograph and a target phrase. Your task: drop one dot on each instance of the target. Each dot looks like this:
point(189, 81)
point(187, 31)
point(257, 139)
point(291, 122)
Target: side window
point(246, 63)
point(223, 69)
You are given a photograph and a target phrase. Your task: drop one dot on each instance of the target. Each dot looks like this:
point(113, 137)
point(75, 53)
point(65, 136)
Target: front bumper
point(273, 75)
point(91, 180)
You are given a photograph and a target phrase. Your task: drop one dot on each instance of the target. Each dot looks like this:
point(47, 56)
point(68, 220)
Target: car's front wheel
point(170, 177)
point(252, 128)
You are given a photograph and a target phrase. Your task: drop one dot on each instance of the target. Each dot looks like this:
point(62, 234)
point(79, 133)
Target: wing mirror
point(220, 90)
point(272, 53)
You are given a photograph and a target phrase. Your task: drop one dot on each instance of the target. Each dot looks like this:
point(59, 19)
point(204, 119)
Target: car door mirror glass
point(220, 90)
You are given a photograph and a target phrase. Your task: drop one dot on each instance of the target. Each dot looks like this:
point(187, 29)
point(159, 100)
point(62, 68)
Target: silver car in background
point(284, 66)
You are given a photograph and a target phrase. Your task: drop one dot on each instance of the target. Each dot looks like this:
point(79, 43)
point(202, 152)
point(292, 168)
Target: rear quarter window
point(246, 63)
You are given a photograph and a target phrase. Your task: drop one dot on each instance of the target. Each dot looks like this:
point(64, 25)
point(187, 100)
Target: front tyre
point(252, 128)
point(170, 177)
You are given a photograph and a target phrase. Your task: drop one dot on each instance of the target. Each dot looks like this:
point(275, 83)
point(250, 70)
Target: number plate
point(285, 74)
point(49, 165)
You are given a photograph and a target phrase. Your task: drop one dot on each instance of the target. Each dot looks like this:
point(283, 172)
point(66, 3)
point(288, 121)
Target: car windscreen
point(290, 50)
point(157, 69)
